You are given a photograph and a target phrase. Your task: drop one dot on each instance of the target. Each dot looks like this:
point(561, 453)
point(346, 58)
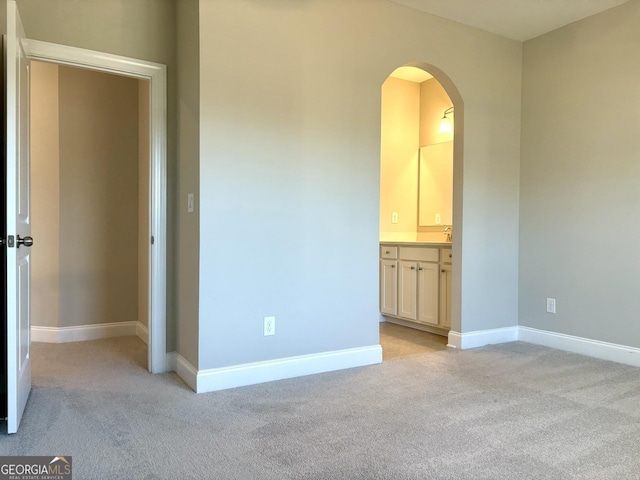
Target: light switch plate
point(190, 203)
point(394, 217)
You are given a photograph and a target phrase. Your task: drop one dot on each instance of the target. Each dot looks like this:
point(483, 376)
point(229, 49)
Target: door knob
point(26, 241)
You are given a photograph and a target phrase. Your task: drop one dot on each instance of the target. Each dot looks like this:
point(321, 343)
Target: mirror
point(435, 185)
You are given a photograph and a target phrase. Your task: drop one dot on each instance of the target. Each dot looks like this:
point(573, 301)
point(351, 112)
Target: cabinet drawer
point(388, 252)
point(445, 255)
point(420, 254)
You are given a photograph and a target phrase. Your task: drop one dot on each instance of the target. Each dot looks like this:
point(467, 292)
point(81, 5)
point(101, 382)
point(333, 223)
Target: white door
point(18, 221)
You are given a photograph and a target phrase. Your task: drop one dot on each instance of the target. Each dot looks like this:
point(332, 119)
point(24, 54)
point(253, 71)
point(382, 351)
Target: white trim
point(233, 376)
point(172, 362)
point(142, 332)
point(585, 346)
point(156, 74)
point(186, 371)
point(454, 339)
point(81, 333)
point(481, 338)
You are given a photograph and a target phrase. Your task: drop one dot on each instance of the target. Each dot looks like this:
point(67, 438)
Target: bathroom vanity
point(415, 285)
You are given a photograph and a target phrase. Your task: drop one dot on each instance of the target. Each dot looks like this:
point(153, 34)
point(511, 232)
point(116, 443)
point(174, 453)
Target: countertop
point(416, 242)
point(433, 239)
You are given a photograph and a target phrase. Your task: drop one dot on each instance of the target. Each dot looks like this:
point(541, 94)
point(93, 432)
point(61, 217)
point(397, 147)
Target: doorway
point(152, 84)
point(89, 189)
point(420, 209)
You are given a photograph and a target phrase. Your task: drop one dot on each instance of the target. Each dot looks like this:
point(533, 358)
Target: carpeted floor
point(511, 411)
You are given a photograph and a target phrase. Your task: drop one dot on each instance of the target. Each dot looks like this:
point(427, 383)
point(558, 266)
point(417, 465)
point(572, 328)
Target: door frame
point(156, 74)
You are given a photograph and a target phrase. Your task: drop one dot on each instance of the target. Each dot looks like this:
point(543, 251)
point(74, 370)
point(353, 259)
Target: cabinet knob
point(442, 271)
point(393, 266)
point(449, 255)
point(388, 252)
point(413, 268)
point(420, 268)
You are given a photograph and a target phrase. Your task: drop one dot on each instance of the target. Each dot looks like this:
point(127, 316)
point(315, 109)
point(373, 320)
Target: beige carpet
point(512, 411)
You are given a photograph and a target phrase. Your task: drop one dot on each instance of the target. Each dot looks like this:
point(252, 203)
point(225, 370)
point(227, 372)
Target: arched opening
point(420, 210)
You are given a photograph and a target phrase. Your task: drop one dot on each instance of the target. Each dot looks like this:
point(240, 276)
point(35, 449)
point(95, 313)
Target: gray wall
point(143, 29)
point(98, 198)
point(580, 194)
point(188, 231)
point(290, 161)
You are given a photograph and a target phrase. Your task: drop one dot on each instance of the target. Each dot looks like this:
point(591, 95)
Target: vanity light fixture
point(445, 122)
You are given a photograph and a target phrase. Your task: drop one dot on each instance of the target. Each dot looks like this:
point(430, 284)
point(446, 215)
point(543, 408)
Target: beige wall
point(98, 198)
point(580, 193)
point(45, 200)
point(411, 114)
point(433, 102)
point(143, 202)
point(84, 142)
point(3, 17)
point(400, 124)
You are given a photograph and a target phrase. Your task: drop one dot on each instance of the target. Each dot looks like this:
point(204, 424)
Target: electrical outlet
point(394, 217)
point(551, 305)
point(438, 219)
point(269, 326)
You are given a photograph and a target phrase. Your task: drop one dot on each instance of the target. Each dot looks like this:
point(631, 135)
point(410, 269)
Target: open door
point(18, 228)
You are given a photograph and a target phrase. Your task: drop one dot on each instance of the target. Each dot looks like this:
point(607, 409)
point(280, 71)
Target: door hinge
point(153, 240)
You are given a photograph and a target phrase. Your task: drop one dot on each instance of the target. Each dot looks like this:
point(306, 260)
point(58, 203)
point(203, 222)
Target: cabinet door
point(407, 290)
point(388, 287)
point(445, 296)
point(428, 293)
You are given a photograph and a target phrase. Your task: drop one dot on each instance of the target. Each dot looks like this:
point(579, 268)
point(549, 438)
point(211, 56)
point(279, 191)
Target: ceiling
point(516, 19)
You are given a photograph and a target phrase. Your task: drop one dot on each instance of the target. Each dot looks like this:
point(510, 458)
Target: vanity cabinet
point(445, 287)
point(428, 279)
point(388, 280)
point(414, 293)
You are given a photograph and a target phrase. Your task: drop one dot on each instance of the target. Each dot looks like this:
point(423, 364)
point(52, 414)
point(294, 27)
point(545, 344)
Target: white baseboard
point(185, 371)
point(482, 337)
point(172, 362)
point(82, 332)
point(584, 346)
point(142, 332)
point(222, 378)
point(569, 343)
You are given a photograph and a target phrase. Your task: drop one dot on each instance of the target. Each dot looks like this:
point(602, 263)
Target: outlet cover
point(269, 326)
point(551, 305)
point(394, 217)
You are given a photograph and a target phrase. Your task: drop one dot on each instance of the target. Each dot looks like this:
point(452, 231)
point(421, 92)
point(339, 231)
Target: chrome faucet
point(448, 232)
